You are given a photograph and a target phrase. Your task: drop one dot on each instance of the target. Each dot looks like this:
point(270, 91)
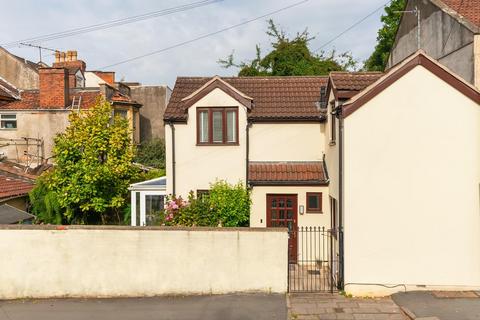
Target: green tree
point(152, 153)
point(386, 36)
point(94, 166)
point(290, 57)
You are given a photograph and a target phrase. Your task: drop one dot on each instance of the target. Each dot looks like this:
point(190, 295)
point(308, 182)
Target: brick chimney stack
point(54, 89)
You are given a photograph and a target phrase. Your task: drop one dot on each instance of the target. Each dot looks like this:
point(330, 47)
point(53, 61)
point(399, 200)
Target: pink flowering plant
point(173, 207)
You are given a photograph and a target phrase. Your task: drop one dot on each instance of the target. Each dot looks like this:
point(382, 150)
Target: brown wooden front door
point(282, 212)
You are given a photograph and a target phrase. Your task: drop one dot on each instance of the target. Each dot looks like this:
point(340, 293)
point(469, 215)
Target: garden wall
point(78, 261)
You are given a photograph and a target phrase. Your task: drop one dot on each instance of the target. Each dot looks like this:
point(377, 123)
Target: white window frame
point(2, 119)
point(143, 194)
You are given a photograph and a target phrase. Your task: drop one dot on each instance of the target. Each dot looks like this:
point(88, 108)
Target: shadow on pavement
point(216, 307)
point(443, 305)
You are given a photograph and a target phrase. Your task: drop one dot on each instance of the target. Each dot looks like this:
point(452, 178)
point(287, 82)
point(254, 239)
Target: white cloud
point(324, 19)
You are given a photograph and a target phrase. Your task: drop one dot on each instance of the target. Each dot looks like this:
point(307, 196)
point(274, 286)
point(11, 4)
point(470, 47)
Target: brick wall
point(108, 77)
point(53, 88)
point(77, 64)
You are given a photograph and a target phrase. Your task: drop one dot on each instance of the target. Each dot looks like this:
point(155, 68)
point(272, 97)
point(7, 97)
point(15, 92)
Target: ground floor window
point(8, 121)
point(314, 202)
point(202, 193)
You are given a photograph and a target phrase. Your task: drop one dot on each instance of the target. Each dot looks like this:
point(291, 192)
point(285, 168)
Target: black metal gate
point(314, 264)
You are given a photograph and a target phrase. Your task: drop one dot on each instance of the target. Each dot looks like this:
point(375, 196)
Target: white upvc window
point(8, 121)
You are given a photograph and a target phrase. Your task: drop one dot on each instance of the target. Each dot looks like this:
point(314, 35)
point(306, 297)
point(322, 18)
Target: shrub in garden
point(225, 205)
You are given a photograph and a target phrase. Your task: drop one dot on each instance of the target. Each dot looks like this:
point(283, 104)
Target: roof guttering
point(290, 183)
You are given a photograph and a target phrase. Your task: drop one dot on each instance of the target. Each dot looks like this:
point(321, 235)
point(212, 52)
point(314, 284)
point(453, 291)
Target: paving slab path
point(216, 307)
point(334, 306)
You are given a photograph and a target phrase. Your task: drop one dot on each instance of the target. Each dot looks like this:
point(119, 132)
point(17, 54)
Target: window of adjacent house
point(217, 125)
point(120, 113)
point(333, 129)
point(314, 202)
point(8, 121)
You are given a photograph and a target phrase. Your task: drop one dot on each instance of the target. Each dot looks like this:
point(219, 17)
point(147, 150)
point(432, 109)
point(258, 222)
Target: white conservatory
point(147, 201)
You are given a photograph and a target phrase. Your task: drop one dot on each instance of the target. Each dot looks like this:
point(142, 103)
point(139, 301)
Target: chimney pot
point(57, 56)
point(74, 55)
point(62, 56)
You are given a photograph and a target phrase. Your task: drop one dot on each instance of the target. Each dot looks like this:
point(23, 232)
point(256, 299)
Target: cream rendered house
point(268, 132)
point(405, 170)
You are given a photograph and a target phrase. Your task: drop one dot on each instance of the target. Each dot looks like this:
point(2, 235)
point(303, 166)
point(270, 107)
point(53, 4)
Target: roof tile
point(274, 98)
point(14, 187)
point(287, 172)
point(353, 81)
point(469, 9)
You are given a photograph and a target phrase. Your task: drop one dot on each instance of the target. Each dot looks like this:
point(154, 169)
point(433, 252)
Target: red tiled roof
point(353, 81)
point(13, 187)
point(274, 98)
point(469, 9)
point(271, 173)
point(29, 99)
point(122, 98)
point(89, 97)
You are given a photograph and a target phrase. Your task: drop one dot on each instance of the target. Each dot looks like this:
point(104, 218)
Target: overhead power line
point(204, 36)
point(109, 24)
point(351, 27)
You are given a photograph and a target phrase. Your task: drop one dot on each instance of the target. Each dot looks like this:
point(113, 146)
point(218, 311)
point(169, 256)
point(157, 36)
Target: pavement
point(334, 306)
point(215, 307)
point(440, 305)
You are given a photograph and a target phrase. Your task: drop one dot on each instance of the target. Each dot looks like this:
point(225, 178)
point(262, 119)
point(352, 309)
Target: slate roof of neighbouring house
point(469, 9)
point(11, 215)
point(289, 172)
point(274, 98)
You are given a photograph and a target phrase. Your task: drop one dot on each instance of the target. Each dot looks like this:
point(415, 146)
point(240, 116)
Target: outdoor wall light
point(301, 209)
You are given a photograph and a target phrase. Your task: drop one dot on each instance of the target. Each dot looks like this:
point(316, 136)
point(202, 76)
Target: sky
point(324, 19)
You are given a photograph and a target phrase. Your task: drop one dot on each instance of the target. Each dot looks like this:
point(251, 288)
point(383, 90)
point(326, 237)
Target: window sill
point(217, 144)
point(8, 129)
point(314, 212)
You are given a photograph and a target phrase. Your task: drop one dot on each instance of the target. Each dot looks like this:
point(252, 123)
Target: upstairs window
point(217, 126)
point(8, 121)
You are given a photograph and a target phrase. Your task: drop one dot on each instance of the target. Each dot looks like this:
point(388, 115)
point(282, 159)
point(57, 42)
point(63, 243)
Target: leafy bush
point(152, 153)
point(44, 203)
point(225, 205)
point(94, 167)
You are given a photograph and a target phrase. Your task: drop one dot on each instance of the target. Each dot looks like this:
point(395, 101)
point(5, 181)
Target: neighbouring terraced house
point(30, 118)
